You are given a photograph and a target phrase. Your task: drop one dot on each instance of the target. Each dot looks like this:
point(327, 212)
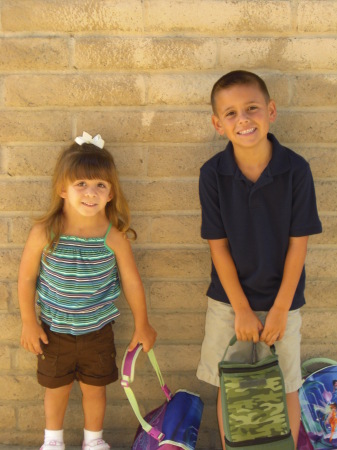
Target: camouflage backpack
point(254, 405)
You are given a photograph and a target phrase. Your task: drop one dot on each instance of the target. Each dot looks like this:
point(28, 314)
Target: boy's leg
point(55, 405)
point(94, 402)
point(294, 414)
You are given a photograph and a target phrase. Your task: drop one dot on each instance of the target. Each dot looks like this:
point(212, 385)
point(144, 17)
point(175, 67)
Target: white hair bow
point(87, 139)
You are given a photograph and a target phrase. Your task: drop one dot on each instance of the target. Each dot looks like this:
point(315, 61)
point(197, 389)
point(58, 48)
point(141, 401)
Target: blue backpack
point(318, 400)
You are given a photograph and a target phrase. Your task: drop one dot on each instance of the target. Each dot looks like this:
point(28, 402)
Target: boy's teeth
point(246, 131)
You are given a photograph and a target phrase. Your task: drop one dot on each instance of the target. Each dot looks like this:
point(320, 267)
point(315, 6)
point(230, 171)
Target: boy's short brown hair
point(237, 77)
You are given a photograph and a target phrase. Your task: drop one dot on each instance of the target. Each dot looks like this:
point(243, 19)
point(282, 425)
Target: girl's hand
point(145, 336)
point(247, 325)
point(31, 336)
point(275, 325)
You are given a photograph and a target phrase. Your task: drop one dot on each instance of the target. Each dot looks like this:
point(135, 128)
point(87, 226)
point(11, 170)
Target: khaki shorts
point(89, 358)
point(219, 329)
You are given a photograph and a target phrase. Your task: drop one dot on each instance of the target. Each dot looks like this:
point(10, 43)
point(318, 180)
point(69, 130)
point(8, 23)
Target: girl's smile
point(87, 197)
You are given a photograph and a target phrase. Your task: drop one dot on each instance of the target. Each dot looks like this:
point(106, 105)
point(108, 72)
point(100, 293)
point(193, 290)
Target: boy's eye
point(252, 108)
point(230, 113)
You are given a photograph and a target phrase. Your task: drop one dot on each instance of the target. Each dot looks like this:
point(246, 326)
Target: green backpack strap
point(322, 362)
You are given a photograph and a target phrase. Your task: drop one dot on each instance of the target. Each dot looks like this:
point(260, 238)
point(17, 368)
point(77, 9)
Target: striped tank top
point(77, 285)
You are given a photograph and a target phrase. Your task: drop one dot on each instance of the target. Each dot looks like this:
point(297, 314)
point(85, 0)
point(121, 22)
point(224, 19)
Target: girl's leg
point(93, 401)
point(55, 405)
point(294, 414)
point(220, 421)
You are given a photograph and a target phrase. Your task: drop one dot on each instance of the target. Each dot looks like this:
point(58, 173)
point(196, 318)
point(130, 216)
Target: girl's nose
point(90, 191)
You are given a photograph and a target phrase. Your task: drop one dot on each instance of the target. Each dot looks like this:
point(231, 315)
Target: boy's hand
point(275, 325)
point(31, 336)
point(145, 336)
point(247, 325)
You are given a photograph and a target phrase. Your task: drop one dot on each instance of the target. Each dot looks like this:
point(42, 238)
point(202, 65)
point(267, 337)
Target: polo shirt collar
point(278, 164)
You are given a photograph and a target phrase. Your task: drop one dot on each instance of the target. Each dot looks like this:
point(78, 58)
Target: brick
point(161, 195)
point(312, 324)
point(216, 17)
point(178, 160)
point(20, 229)
point(34, 196)
point(176, 229)
point(323, 161)
point(35, 126)
point(317, 16)
point(4, 231)
point(5, 359)
point(320, 127)
point(314, 90)
point(130, 160)
point(141, 224)
point(329, 235)
point(33, 53)
point(181, 264)
point(74, 15)
point(32, 160)
point(179, 295)
point(9, 264)
point(320, 293)
point(326, 192)
point(74, 90)
point(4, 296)
point(20, 387)
point(143, 53)
point(147, 126)
point(321, 263)
point(31, 417)
point(285, 54)
point(316, 348)
point(7, 417)
point(24, 362)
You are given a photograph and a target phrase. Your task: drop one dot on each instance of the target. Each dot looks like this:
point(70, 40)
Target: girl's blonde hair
point(78, 162)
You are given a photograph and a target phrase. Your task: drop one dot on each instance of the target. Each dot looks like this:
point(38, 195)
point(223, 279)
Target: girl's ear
point(63, 193)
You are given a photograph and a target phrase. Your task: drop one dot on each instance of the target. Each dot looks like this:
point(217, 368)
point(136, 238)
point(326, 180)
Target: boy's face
point(243, 115)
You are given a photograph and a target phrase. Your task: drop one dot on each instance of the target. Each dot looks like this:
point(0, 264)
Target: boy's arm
point(32, 331)
point(276, 320)
point(133, 290)
point(247, 324)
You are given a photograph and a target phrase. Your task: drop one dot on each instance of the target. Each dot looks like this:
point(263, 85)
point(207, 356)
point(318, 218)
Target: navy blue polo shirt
point(258, 219)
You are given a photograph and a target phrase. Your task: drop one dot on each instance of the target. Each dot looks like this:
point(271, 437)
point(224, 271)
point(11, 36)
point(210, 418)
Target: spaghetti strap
point(107, 231)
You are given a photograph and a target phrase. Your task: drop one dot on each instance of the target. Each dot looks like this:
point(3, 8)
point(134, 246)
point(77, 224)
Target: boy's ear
point(217, 125)
point(272, 111)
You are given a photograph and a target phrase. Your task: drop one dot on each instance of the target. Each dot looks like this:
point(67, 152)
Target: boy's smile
point(243, 115)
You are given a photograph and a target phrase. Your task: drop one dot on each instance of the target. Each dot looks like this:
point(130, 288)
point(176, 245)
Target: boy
point(258, 209)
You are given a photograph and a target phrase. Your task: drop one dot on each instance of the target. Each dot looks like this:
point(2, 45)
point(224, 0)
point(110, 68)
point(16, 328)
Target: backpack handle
point(234, 340)
point(325, 362)
point(128, 373)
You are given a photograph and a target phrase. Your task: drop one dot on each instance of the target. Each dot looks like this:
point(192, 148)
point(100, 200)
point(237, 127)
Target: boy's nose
point(243, 117)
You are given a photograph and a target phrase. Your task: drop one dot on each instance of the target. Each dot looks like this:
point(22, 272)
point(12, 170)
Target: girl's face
point(87, 197)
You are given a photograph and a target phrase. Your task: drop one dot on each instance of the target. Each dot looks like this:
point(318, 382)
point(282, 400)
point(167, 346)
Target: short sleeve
point(305, 220)
point(212, 226)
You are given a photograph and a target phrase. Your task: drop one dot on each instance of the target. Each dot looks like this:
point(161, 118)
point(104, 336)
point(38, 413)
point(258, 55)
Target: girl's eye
point(80, 183)
point(101, 185)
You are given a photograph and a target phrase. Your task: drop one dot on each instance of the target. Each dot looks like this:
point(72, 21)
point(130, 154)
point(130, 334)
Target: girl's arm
point(247, 324)
point(32, 331)
point(133, 290)
point(276, 319)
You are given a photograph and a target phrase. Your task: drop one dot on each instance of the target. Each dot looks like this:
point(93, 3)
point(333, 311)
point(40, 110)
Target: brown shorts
point(89, 358)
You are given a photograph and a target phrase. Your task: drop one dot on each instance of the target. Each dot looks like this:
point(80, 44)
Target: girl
point(74, 259)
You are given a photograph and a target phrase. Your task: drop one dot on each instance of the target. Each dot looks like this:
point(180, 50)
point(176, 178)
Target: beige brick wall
point(140, 72)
